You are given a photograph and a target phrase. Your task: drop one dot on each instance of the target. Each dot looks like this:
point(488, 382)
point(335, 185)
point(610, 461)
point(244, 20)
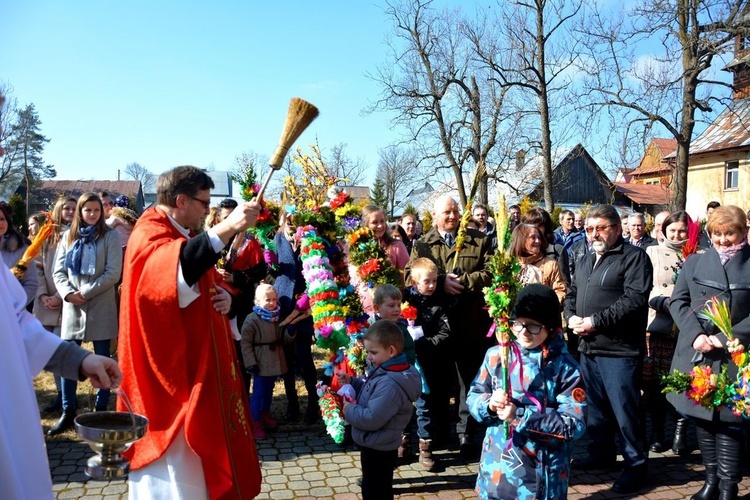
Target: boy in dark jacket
point(432, 331)
point(383, 408)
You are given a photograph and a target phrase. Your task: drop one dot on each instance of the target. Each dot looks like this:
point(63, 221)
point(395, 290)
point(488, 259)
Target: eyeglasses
point(206, 204)
point(532, 328)
point(599, 229)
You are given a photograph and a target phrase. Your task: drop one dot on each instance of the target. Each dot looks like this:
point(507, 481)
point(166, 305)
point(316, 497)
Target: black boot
point(679, 445)
point(710, 487)
point(658, 409)
point(728, 491)
point(729, 456)
point(707, 445)
point(65, 423)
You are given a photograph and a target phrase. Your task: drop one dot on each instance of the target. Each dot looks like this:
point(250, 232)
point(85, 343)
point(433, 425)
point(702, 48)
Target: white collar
point(183, 230)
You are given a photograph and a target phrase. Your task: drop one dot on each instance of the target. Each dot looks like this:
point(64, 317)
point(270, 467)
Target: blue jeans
point(613, 396)
point(69, 387)
point(260, 400)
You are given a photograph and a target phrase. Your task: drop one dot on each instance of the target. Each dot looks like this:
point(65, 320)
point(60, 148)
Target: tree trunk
point(679, 182)
point(482, 193)
point(544, 113)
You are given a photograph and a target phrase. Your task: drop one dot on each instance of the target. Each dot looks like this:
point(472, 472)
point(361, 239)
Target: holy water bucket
point(110, 434)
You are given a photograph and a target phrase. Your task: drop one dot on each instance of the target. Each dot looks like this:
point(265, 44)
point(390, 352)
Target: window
point(731, 175)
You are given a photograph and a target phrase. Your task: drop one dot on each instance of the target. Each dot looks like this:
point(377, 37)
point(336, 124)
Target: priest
point(177, 351)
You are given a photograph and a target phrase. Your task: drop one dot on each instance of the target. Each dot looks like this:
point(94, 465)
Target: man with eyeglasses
point(607, 307)
point(177, 352)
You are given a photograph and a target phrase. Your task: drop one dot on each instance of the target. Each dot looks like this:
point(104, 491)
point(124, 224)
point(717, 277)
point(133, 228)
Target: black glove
point(253, 370)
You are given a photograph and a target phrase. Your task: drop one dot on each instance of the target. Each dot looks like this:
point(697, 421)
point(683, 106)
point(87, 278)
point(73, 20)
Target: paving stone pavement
point(302, 462)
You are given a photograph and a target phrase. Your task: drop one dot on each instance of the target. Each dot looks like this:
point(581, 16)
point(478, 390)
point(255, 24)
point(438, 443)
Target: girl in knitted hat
point(544, 405)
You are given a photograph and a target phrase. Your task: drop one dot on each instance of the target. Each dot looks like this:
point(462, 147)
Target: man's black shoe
point(631, 480)
point(657, 447)
point(65, 423)
point(358, 481)
point(593, 463)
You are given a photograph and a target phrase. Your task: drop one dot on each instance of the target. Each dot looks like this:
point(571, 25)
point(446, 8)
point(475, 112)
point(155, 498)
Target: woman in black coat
point(723, 271)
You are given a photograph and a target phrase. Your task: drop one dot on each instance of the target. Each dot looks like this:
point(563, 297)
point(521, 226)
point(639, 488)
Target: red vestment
point(180, 366)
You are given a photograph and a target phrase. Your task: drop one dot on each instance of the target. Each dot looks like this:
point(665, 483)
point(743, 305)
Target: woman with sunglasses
point(544, 405)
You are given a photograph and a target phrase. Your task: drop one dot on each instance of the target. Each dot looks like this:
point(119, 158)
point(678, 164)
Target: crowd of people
point(603, 309)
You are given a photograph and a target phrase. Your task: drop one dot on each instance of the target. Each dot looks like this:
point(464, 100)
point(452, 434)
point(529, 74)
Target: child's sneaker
point(268, 422)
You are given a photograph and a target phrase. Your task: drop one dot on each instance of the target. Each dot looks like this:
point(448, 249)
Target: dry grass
point(44, 385)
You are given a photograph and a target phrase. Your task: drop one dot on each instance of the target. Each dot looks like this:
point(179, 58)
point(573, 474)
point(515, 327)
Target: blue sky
point(168, 83)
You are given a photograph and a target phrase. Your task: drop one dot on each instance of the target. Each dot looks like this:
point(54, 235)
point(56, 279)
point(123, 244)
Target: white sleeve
point(216, 242)
point(38, 343)
point(186, 294)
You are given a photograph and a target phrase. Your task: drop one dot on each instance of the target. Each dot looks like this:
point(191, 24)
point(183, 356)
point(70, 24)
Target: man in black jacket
point(607, 307)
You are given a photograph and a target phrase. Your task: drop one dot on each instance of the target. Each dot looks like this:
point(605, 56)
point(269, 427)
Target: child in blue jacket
point(545, 406)
point(383, 408)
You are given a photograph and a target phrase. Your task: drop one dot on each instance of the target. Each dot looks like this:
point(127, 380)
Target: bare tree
point(352, 171)
point(398, 171)
point(540, 53)
point(140, 173)
point(440, 94)
point(640, 94)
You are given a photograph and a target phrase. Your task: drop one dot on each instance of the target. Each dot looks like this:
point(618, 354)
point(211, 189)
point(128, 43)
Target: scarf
point(724, 256)
point(397, 363)
point(675, 246)
point(266, 315)
point(81, 258)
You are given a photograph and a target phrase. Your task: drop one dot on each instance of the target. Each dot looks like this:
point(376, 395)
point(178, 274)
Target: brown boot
point(425, 454)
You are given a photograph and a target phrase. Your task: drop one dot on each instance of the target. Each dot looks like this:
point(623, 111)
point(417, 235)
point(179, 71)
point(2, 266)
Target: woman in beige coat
point(48, 303)
point(88, 264)
point(661, 333)
point(528, 245)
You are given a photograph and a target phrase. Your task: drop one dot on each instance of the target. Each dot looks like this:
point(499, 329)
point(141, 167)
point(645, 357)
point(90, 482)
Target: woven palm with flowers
point(716, 390)
point(337, 313)
point(501, 295)
point(265, 227)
